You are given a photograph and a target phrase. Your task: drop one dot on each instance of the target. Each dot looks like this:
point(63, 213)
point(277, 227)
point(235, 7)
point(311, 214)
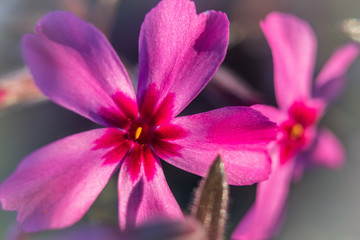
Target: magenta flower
point(75, 66)
point(299, 144)
point(2, 95)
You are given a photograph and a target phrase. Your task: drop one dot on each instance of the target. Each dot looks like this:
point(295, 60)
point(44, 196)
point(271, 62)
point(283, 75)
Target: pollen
point(296, 131)
point(138, 132)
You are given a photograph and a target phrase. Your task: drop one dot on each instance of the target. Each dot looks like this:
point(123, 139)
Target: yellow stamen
point(296, 131)
point(138, 132)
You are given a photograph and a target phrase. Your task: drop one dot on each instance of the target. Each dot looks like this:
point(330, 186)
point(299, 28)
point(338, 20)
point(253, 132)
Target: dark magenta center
point(140, 132)
point(295, 130)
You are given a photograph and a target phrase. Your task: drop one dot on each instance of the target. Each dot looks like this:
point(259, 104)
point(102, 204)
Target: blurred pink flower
point(17, 88)
point(75, 66)
point(2, 95)
point(299, 143)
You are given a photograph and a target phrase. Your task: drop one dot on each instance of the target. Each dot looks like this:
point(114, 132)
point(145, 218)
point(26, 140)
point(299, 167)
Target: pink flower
point(2, 95)
point(75, 66)
point(299, 143)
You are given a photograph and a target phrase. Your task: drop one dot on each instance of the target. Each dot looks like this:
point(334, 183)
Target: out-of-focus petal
point(331, 79)
point(74, 65)
point(272, 113)
point(265, 217)
point(327, 151)
point(227, 88)
point(144, 199)
point(240, 135)
point(179, 51)
point(168, 229)
point(55, 186)
point(293, 46)
point(2, 95)
point(89, 232)
point(301, 164)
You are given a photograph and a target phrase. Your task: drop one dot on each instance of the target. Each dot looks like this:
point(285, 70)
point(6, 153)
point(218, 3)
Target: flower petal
point(327, 151)
point(55, 186)
point(331, 79)
point(293, 46)
point(179, 51)
point(239, 134)
point(271, 112)
point(144, 198)
point(76, 67)
point(264, 218)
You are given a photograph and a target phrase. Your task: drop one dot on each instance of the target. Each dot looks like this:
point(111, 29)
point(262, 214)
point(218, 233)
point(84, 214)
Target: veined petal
point(264, 218)
point(179, 51)
point(331, 79)
point(293, 46)
point(144, 199)
point(239, 134)
point(55, 186)
point(75, 66)
point(327, 151)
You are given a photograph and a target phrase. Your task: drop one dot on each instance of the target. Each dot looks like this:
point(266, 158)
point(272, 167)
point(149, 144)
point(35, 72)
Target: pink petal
point(55, 186)
point(74, 65)
point(301, 165)
point(264, 218)
point(272, 113)
point(293, 46)
point(179, 51)
point(117, 144)
point(306, 113)
point(144, 199)
point(2, 95)
point(328, 151)
point(239, 134)
point(331, 79)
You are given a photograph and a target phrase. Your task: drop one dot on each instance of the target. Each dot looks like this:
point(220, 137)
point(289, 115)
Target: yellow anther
point(296, 131)
point(138, 133)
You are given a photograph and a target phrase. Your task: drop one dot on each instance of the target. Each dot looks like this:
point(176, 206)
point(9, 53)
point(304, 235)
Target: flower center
point(140, 132)
point(296, 131)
